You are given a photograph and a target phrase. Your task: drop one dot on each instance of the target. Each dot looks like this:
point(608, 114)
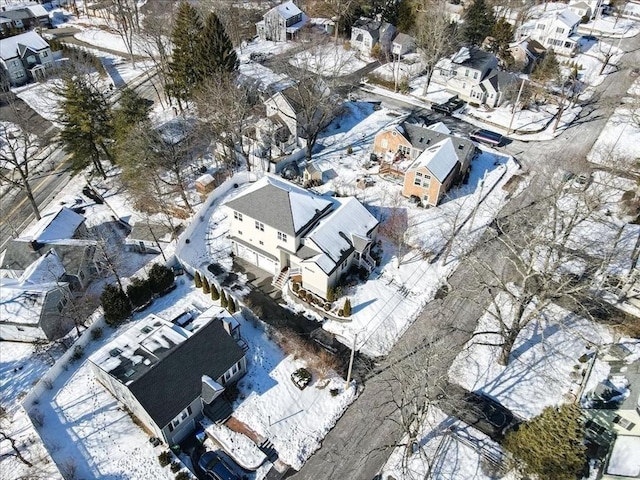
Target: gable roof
point(280, 204)
point(568, 17)
point(47, 269)
point(57, 226)
point(440, 159)
point(347, 228)
point(23, 303)
point(9, 46)
point(423, 137)
point(286, 10)
point(580, 5)
point(73, 253)
point(473, 57)
point(404, 40)
point(150, 232)
point(168, 384)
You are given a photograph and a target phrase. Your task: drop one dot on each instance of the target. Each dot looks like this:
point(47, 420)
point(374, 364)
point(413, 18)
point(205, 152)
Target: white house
point(581, 9)
point(367, 32)
point(25, 57)
point(282, 228)
point(33, 306)
point(557, 29)
point(169, 376)
point(281, 23)
point(403, 44)
point(472, 75)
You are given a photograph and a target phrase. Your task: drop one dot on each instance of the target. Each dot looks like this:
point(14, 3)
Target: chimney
point(35, 245)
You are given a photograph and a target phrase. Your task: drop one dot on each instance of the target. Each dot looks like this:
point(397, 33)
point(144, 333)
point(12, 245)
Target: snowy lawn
point(624, 459)
point(329, 60)
point(106, 39)
point(543, 368)
point(447, 450)
point(41, 98)
point(266, 48)
point(406, 69)
point(610, 26)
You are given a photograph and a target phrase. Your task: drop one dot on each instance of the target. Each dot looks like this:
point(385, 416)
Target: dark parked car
point(217, 468)
point(488, 137)
point(448, 107)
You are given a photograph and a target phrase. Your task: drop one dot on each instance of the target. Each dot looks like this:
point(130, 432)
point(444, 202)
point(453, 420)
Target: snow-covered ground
point(329, 60)
point(612, 27)
point(106, 39)
point(406, 69)
point(41, 97)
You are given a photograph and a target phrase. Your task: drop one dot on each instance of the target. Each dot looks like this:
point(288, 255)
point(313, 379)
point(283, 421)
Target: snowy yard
point(329, 60)
point(406, 69)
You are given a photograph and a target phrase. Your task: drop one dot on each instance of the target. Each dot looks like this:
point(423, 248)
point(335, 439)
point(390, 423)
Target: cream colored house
point(289, 231)
point(557, 30)
point(612, 403)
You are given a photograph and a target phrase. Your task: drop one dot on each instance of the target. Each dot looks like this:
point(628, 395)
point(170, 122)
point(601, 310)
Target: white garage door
point(248, 254)
point(267, 264)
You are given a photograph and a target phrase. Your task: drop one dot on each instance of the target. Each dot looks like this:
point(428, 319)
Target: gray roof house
point(169, 376)
point(25, 57)
point(281, 23)
point(313, 238)
point(403, 44)
point(367, 32)
point(32, 307)
point(26, 16)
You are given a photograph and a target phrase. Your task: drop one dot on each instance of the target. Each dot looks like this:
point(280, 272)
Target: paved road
point(359, 444)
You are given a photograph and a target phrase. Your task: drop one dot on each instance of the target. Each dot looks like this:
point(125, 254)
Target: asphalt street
point(362, 440)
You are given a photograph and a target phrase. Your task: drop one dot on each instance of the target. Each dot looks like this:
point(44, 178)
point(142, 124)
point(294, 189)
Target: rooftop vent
point(115, 352)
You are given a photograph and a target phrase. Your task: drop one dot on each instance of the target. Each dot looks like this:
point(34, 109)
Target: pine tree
point(551, 445)
point(548, 69)
point(85, 116)
point(160, 278)
point(231, 305)
point(115, 304)
point(139, 292)
point(215, 53)
point(205, 286)
point(502, 34)
point(478, 22)
point(224, 303)
point(346, 309)
point(185, 38)
point(132, 110)
point(215, 294)
point(197, 279)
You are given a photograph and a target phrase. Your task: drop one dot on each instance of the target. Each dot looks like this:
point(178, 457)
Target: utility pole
point(353, 354)
point(515, 105)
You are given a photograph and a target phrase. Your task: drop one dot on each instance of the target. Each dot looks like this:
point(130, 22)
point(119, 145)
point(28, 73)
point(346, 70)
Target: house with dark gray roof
point(25, 57)
point(169, 376)
point(289, 231)
point(403, 44)
point(367, 32)
point(281, 23)
point(472, 75)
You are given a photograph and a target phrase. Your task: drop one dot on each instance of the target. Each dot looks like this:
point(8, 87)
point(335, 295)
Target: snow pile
point(542, 363)
point(240, 447)
point(328, 60)
point(624, 460)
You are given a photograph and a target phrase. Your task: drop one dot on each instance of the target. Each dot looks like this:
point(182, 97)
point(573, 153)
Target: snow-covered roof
point(440, 159)
point(9, 46)
point(439, 127)
point(38, 10)
point(47, 269)
point(57, 226)
point(566, 16)
point(280, 204)
point(23, 303)
point(339, 233)
point(287, 10)
point(624, 460)
point(579, 5)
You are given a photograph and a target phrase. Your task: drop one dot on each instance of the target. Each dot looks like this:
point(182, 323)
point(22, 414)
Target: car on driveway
point(215, 467)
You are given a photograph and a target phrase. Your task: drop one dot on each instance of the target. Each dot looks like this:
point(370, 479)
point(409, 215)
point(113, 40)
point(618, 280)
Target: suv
point(448, 107)
point(216, 468)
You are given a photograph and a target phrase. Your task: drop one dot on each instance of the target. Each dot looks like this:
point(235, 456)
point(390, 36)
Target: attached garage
point(247, 254)
point(267, 264)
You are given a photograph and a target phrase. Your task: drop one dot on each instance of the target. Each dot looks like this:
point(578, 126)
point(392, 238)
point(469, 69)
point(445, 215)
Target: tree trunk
point(509, 341)
point(16, 451)
point(429, 74)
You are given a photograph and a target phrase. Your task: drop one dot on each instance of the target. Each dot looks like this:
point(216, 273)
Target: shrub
point(160, 278)
point(327, 306)
point(96, 333)
point(206, 288)
point(302, 294)
point(139, 292)
point(197, 280)
point(231, 305)
point(347, 308)
point(215, 294)
point(301, 378)
point(349, 150)
point(175, 467)
point(164, 458)
point(182, 476)
point(334, 392)
point(77, 353)
point(296, 286)
point(224, 303)
point(115, 304)
point(331, 294)
point(341, 313)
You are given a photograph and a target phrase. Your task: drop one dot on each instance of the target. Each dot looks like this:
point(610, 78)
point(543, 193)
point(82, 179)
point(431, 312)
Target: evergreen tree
point(551, 445)
point(346, 309)
point(85, 116)
point(185, 38)
point(215, 53)
point(160, 278)
point(502, 35)
point(548, 69)
point(215, 294)
point(224, 303)
point(139, 292)
point(132, 110)
point(205, 286)
point(478, 22)
point(115, 304)
point(197, 280)
point(231, 305)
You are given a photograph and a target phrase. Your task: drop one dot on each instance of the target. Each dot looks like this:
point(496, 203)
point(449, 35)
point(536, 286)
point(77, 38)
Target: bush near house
point(164, 458)
point(206, 288)
point(139, 292)
point(197, 280)
point(224, 302)
point(115, 304)
point(231, 305)
point(301, 378)
point(215, 294)
point(161, 278)
point(346, 309)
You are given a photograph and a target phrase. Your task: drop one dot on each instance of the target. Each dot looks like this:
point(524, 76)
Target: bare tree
point(534, 261)
point(18, 157)
point(124, 17)
point(436, 37)
point(336, 10)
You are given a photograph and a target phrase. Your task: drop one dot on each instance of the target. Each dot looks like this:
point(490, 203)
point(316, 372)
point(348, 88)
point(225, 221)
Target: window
point(466, 72)
point(623, 422)
point(475, 75)
point(384, 143)
point(181, 417)
point(31, 59)
point(19, 74)
point(239, 232)
point(417, 181)
point(282, 237)
point(260, 242)
point(62, 303)
point(559, 30)
point(403, 149)
point(259, 226)
point(540, 26)
point(82, 275)
point(16, 63)
point(235, 369)
point(44, 54)
point(237, 216)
